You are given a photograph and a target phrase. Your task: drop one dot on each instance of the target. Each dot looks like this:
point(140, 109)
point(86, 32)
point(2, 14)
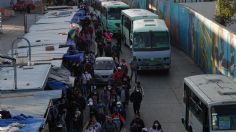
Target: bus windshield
point(151, 41)
point(223, 117)
point(114, 13)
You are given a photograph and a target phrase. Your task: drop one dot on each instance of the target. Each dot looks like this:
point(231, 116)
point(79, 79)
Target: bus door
point(196, 113)
point(186, 101)
point(126, 29)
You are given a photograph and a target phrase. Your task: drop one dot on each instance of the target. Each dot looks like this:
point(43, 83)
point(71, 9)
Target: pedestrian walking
point(134, 68)
point(109, 126)
point(124, 66)
point(116, 53)
point(105, 97)
point(123, 96)
point(119, 120)
point(101, 47)
point(156, 127)
point(136, 97)
point(137, 124)
point(108, 52)
point(93, 125)
point(76, 122)
point(139, 87)
point(118, 75)
point(119, 39)
point(86, 78)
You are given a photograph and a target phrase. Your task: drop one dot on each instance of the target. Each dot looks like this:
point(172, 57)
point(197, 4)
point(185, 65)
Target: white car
point(103, 70)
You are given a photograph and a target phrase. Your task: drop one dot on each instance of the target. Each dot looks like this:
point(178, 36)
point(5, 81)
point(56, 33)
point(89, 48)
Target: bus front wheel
point(190, 129)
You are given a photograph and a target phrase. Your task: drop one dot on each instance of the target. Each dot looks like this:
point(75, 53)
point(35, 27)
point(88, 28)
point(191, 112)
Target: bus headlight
point(167, 59)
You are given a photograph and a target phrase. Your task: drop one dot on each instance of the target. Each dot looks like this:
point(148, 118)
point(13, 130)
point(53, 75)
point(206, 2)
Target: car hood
point(103, 72)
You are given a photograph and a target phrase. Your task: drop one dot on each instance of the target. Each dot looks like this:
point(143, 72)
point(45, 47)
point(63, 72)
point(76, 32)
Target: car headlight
point(97, 76)
point(166, 59)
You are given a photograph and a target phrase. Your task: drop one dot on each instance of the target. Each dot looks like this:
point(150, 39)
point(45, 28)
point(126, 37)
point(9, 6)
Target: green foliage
point(225, 10)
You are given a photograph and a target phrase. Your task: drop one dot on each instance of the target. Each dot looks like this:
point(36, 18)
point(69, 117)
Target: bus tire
point(190, 129)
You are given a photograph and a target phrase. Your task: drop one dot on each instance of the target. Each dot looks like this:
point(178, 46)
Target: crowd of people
point(106, 106)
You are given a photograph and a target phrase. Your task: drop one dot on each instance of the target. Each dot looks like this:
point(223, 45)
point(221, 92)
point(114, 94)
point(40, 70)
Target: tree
point(225, 10)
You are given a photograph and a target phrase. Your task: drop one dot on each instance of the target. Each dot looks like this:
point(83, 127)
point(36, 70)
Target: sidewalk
point(13, 27)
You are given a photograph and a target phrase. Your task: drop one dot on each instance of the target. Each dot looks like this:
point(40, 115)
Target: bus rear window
point(151, 41)
point(223, 117)
point(114, 13)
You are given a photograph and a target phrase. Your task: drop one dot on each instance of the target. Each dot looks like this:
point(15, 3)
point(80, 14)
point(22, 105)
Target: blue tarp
point(79, 15)
point(30, 123)
point(79, 57)
point(56, 85)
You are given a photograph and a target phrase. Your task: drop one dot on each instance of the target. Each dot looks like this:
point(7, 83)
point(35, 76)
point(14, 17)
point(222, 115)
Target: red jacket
point(118, 75)
point(108, 36)
point(118, 115)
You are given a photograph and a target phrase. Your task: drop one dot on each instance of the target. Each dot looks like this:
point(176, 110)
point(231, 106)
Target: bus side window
point(127, 23)
point(197, 107)
point(185, 93)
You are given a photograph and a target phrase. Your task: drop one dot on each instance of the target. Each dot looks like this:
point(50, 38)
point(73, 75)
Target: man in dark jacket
point(136, 97)
point(134, 68)
point(137, 124)
point(108, 52)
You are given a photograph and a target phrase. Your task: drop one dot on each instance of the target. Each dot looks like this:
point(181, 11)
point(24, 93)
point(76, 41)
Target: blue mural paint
point(199, 38)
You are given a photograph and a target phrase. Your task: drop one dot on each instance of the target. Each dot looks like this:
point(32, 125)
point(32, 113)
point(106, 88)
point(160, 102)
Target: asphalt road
point(163, 92)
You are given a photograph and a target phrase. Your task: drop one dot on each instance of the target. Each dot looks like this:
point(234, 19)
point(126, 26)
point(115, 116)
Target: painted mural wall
point(137, 3)
point(211, 46)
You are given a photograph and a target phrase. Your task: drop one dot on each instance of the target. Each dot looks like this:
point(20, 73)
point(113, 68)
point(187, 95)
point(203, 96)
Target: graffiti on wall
point(211, 46)
point(136, 3)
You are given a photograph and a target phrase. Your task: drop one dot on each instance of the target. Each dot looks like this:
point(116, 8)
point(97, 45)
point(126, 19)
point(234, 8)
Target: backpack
point(116, 121)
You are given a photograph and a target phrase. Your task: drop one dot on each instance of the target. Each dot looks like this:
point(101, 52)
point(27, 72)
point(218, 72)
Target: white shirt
point(86, 77)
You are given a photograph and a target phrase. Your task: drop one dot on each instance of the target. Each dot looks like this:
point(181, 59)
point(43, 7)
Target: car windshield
point(104, 65)
point(223, 117)
point(151, 41)
point(114, 13)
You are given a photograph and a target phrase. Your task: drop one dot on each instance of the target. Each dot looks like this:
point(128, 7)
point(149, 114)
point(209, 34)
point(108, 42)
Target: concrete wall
point(210, 45)
point(5, 3)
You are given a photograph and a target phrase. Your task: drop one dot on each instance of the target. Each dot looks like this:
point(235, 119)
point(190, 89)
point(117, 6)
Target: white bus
point(127, 18)
point(151, 44)
point(210, 104)
point(111, 15)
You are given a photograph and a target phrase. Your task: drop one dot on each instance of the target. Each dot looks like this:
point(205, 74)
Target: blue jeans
point(84, 89)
